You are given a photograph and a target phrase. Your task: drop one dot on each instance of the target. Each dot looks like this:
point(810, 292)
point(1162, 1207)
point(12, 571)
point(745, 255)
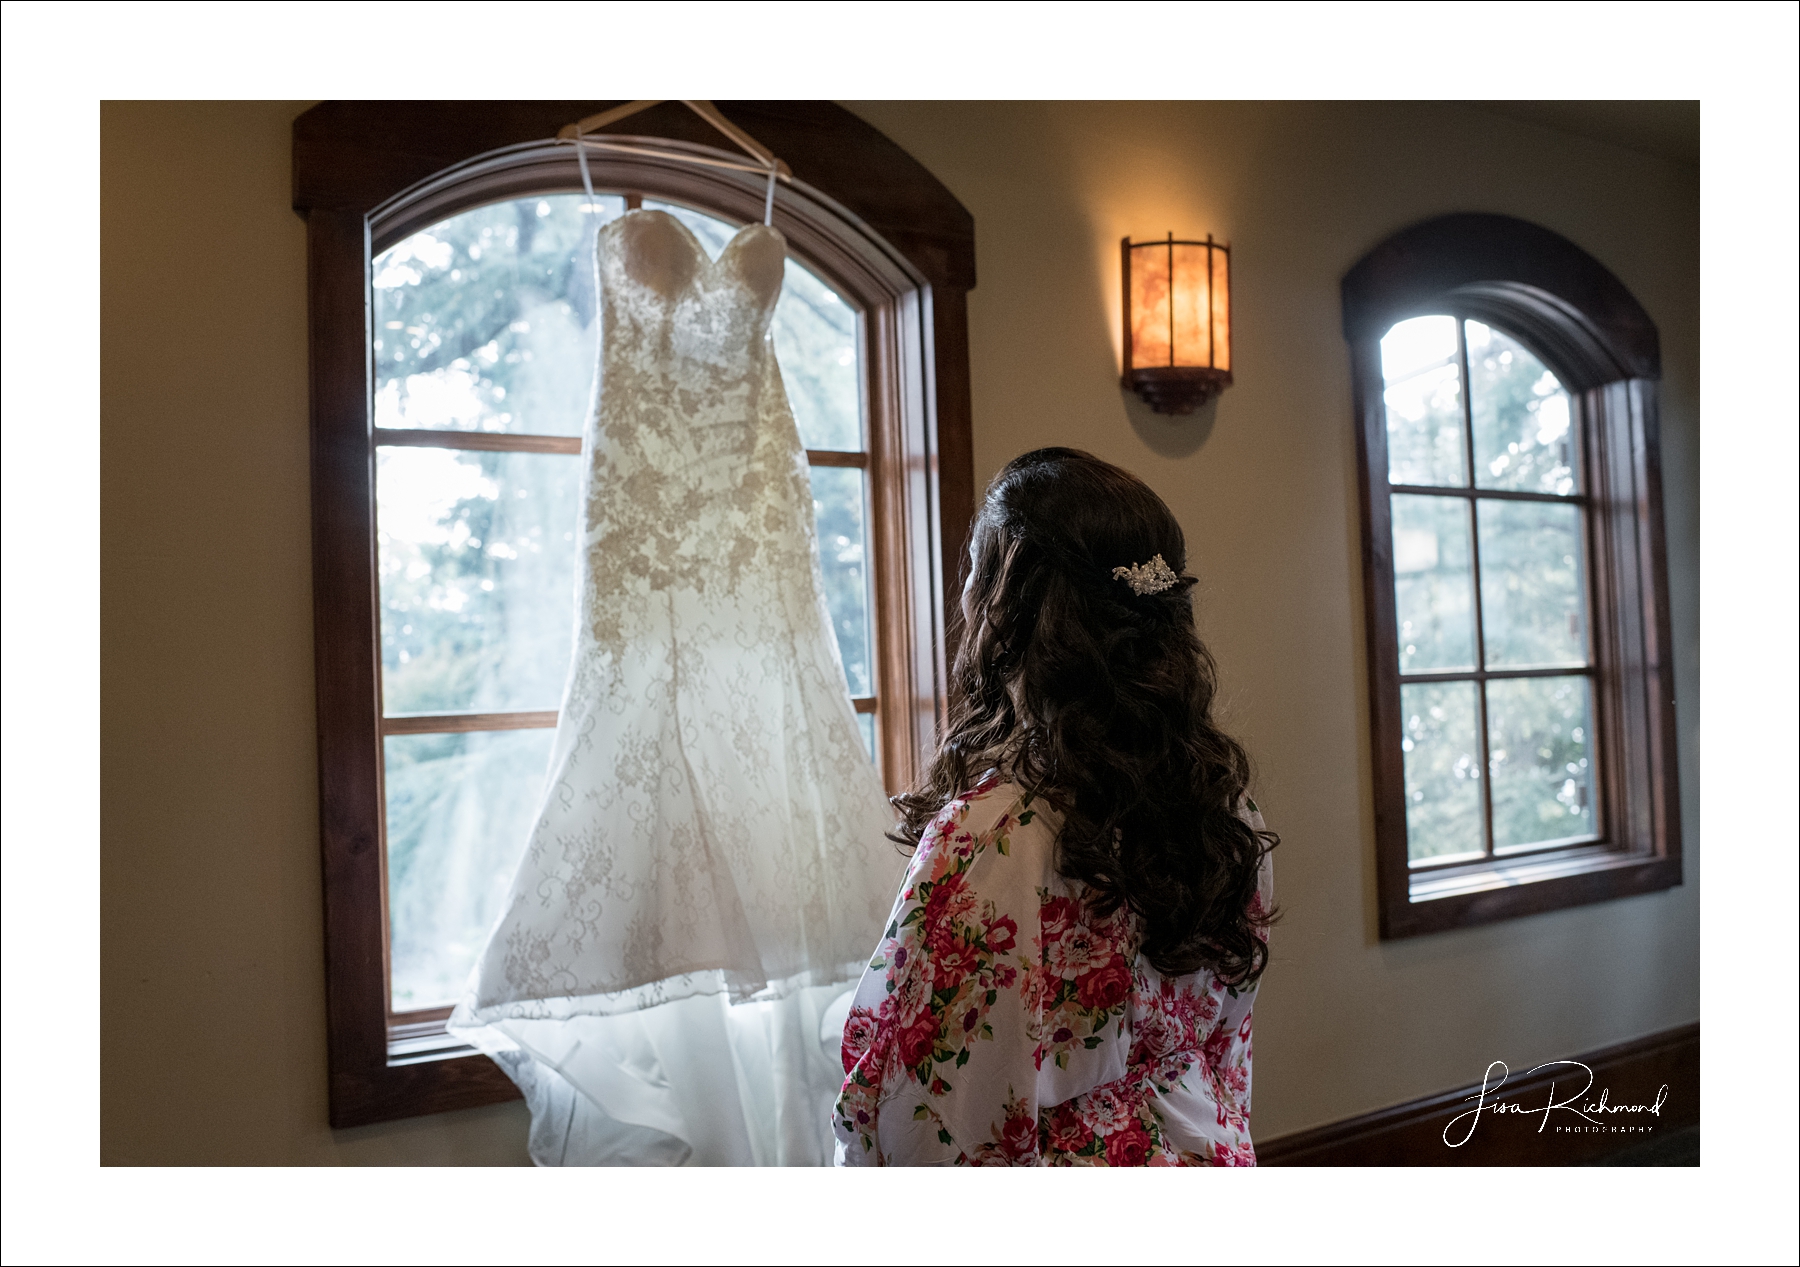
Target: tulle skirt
point(706, 879)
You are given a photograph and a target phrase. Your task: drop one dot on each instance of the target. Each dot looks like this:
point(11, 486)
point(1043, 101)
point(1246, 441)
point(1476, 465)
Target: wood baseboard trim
point(1413, 1133)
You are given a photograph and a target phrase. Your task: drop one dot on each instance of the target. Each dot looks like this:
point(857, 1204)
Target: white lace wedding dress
point(707, 873)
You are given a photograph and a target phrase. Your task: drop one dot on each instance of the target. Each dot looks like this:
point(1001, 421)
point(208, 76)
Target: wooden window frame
point(1576, 317)
point(862, 214)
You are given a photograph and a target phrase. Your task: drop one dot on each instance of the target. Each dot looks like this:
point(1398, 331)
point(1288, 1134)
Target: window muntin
point(484, 326)
point(1491, 600)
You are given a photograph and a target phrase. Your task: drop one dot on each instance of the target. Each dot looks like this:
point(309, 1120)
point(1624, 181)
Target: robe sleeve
point(941, 1044)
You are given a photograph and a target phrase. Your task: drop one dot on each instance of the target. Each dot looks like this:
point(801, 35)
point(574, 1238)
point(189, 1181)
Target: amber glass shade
point(1177, 321)
point(1149, 337)
point(1220, 294)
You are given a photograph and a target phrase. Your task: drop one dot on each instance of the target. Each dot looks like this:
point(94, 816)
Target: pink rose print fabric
point(1005, 1022)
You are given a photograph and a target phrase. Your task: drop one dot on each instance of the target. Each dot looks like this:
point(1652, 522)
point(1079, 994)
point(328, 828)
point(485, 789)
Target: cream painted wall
point(213, 1042)
point(212, 952)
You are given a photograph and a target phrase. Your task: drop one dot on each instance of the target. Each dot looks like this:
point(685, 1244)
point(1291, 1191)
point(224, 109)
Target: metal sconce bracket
point(1176, 389)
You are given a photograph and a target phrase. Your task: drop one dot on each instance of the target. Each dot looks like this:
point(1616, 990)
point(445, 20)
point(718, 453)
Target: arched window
point(483, 341)
point(1521, 704)
point(454, 340)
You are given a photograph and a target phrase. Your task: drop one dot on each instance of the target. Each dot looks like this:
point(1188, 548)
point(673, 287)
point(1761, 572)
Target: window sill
point(1503, 888)
point(412, 1042)
point(1428, 884)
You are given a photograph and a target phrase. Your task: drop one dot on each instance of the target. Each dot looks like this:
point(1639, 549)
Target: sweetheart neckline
point(644, 252)
point(691, 237)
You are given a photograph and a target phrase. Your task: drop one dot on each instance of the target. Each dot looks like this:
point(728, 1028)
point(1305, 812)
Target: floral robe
point(1004, 1022)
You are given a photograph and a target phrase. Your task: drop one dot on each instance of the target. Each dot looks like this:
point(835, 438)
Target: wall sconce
point(1177, 322)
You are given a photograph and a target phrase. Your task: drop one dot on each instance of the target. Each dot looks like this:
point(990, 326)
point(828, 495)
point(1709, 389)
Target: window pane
point(477, 578)
point(1443, 770)
point(838, 508)
point(458, 811)
point(1424, 403)
point(815, 342)
point(1520, 415)
point(486, 321)
point(866, 722)
point(1538, 753)
point(1432, 585)
point(1531, 591)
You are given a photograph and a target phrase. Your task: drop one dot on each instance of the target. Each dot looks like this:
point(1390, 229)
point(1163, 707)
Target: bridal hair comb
point(1147, 578)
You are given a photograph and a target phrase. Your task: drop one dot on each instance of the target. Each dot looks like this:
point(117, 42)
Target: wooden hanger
point(767, 164)
point(706, 110)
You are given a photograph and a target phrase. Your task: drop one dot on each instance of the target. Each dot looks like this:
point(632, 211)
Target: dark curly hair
point(1100, 699)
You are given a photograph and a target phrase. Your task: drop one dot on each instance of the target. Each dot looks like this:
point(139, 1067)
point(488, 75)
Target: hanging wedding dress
point(707, 873)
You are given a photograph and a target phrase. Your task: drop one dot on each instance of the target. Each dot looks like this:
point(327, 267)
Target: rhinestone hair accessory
point(1147, 578)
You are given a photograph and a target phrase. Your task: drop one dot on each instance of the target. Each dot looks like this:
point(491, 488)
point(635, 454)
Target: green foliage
point(1531, 584)
point(1443, 768)
point(1538, 752)
point(1520, 415)
point(496, 294)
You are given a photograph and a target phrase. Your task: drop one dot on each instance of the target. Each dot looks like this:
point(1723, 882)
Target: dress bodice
point(697, 479)
point(657, 284)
